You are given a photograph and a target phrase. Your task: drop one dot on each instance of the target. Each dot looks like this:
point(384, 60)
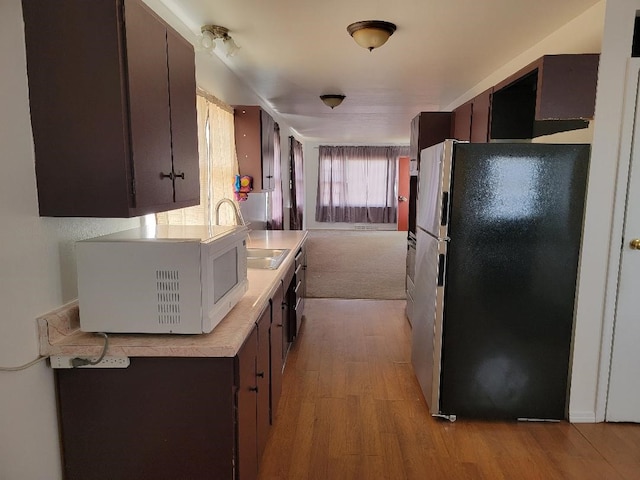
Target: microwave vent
point(168, 291)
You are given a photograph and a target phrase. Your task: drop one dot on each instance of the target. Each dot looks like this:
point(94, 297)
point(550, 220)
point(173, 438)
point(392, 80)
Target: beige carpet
point(356, 264)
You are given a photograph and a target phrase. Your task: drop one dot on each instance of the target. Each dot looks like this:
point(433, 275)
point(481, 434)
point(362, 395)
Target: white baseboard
point(582, 417)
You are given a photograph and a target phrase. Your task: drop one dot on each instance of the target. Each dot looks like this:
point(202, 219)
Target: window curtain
point(296, 184)
point(218, 165)
point(357, 184)
point(277, 216)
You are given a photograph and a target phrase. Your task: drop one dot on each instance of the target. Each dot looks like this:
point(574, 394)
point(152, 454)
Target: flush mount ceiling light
point(371, 34)
point(211, 33)
point(332, 100)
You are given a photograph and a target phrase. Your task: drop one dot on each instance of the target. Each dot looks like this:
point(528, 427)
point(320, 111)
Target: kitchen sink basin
point(265, 258)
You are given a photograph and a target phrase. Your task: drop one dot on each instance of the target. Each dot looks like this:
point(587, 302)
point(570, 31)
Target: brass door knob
point(635, 244)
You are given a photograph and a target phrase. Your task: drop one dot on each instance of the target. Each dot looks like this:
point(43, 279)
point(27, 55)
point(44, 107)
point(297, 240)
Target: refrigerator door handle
point(444, 216)
point(441, 265)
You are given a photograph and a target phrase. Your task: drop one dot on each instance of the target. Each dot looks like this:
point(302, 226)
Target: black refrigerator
point(498, 237)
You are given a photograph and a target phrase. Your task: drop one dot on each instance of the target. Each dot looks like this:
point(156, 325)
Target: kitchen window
point(357, 184)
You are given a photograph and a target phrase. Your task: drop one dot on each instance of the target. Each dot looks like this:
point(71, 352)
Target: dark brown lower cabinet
point(277, 341)
point(263, 383)
point(169, 418)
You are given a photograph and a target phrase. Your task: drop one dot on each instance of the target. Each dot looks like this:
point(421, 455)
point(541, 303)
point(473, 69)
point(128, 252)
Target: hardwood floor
point(352, 409)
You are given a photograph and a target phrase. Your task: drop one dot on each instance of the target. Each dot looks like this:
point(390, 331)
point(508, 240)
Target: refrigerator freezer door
point(429, 188)
point(433, 188)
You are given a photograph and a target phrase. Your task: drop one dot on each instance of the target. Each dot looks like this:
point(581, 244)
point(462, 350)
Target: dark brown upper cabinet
point(254, 135)
point(555, 93)
point(481, 117)
point(462, 121)
point(471, 119)
point(112, 95)
point(428, 128)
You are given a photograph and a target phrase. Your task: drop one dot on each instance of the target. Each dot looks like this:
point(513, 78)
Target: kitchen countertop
point(60, 334)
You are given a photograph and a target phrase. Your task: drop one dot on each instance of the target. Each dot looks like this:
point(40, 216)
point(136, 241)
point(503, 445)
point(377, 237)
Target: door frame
point(631, 100)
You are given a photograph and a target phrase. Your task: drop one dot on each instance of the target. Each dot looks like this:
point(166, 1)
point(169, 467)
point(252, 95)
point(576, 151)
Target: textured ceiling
point(294, 51)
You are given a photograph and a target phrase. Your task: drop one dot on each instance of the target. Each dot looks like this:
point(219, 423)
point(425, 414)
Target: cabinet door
point(161, 419)
point(263, 382)
point(414, 137)
point(480, 117)
point(462, 122)
point(148, 106)
point(248, 142)
point(276, 349)
point(184, 128)
point(301, 281)
point(78, 110)
point(268, 151)
point(246, 408)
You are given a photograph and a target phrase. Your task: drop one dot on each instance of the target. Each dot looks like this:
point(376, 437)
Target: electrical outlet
point(115, 361)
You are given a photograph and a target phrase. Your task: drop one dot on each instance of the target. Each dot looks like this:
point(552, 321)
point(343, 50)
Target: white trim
point(582, 417)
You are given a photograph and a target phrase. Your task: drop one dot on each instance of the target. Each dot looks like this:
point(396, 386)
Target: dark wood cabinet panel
point(100, 111)
point(267, 128)
point(246, 408)
point(299, 290)
point(462, 122)
point(427, 129)
point(161, 418)
point(480, 116)
point(149, 107)
point(555, 93)
point(263, 382)
point(254, 136)
point(471, 119)
point(277, 341)
point(182, 78)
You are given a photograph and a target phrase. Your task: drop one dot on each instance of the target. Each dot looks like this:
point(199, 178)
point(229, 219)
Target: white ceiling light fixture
point(371, 34)
point(332, 100)
point(211, 33)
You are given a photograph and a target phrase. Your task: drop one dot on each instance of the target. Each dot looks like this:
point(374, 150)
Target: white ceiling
point(292, 51)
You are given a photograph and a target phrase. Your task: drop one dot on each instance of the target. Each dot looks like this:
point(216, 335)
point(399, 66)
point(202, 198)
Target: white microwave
point(161, 279)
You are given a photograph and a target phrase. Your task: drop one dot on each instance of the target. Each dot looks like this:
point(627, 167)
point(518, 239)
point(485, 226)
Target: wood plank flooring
point(352, 409)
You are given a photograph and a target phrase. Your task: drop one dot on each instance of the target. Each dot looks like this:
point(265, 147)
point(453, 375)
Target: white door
point(623, 401)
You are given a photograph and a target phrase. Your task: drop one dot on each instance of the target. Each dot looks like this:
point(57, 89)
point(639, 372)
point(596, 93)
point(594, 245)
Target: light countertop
point(60, 334)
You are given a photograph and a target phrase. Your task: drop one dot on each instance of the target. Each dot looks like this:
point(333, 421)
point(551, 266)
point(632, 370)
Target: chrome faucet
point(236, 211)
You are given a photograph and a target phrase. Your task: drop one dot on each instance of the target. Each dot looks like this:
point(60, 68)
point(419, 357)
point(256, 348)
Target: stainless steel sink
point(265, 258)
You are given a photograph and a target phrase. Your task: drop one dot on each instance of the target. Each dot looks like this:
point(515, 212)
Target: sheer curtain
point(277, 219)
point(218, 165)
point(296, 185)
point(357, 184)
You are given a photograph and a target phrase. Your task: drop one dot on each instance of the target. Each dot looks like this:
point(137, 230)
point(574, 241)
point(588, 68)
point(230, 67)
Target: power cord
point(25, 366)
point(75, 362)
point(81, 362)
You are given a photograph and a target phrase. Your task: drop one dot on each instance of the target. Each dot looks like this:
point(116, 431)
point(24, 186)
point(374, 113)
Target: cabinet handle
point(253, 389)
point(260, 374)
point(278, 325)
point(171, 175)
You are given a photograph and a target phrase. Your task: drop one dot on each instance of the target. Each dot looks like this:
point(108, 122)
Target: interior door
point(623, 402)
point(403, 194)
